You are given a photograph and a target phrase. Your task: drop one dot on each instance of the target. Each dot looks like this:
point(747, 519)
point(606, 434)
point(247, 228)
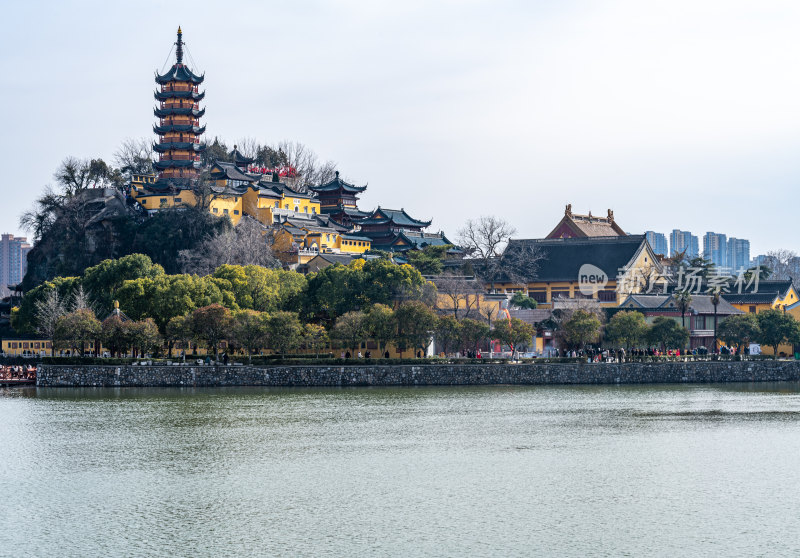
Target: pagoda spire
point(179, 130)
point(179, 51)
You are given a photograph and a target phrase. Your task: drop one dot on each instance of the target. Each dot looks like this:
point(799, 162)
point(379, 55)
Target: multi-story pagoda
point(179, 127)
point(339, 199)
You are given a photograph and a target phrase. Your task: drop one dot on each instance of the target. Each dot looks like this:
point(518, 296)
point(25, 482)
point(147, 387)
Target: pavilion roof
point(337, 184)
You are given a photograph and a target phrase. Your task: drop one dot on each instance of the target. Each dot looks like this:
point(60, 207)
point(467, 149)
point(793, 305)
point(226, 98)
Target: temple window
point(225, 211)
point(177, 200)
point(236, 212)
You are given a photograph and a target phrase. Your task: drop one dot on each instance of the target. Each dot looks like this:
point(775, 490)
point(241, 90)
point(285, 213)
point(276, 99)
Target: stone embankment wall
point(422, 375)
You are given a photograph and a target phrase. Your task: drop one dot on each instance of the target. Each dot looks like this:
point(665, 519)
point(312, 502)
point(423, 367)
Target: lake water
point(488, 471)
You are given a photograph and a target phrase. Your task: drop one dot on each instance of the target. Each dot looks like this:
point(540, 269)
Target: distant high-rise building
point(758, 260)
point(738, 254)
point(715, 249)
point(13, 259)
point(658, 242)
point(680, 241)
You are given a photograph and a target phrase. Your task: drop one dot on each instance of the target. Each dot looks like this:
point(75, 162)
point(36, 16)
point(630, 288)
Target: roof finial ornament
point(610, 215)
point(568, 210)
point(337, 174)
point(179, 51)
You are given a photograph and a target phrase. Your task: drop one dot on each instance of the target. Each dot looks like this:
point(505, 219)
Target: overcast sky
point(675, 114)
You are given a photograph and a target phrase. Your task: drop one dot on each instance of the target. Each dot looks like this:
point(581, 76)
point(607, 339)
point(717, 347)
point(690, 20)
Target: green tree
point(144, 336)
point(415, 323)
point(523, 301)
point(166, 296)
point(76, 329)
point(447, 332)
point(514, 332)
point(177, 333)
point(739, 330)
point(581, 328)
point(115, 335)
point(683, 300)
point(522, 334)
point(667, 333)
point(211, 324)
point(315, 337)
point(473, 333)
point(284, 330)
point(379, 324)
point(776, 328)
point(350, 329)
point(249, 331)
point(331, 292)
point(165, 234)
point(105, 278)
point(626, 329)
point(385, 282)
point(428, 261)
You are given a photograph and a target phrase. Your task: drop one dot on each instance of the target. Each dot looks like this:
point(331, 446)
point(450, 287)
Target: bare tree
point(134, 156)
point(463, 294)
point(204, 191)
point(249, 243)
point(784, 264)
point(47, 312)
point(487, 242)
point(310, 169)
point(81, 301)
point(249, 147)
point(75, 175)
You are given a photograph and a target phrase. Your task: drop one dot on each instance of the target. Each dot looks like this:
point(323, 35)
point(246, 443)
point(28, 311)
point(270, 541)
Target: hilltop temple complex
point(320, 220)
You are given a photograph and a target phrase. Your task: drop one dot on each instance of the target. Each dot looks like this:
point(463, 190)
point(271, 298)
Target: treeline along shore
point(417, 374)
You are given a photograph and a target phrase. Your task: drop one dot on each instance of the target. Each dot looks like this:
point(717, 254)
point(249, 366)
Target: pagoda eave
point(180, 111)
point(166, 95)
point(161, 130)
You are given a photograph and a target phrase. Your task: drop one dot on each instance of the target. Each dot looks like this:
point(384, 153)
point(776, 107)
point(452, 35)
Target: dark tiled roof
point(179, 111)
point(562, 258)
point(751, 298)
point(647, 301)
point(338, 184)
point(356, 237)
point(534, 316)
point(164, 95)
point(231, 172)
point(196, 130)
point(179, 72)
point(397, 216)
point(285, 190)
point(701, 304)
point(164, 147)
point(238, 158)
